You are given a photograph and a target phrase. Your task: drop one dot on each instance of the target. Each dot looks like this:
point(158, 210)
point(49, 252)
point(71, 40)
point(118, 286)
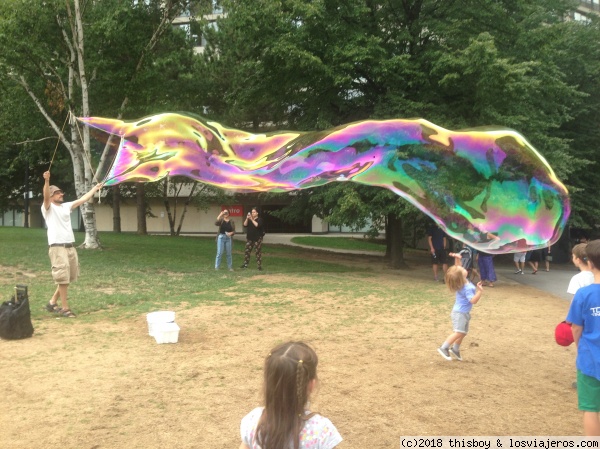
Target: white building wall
point(195, 221)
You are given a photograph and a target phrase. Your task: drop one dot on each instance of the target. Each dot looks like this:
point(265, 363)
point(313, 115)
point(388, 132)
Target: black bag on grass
point(15, 316)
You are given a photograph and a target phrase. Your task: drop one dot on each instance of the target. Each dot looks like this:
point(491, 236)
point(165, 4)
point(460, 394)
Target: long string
point(58, 140)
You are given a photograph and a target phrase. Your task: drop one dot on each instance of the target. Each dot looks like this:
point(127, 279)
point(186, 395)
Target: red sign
point(235, 210)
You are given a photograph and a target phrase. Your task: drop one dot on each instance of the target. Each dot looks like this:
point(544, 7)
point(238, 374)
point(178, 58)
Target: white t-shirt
point(580, 280)
point(58, 220)
point(318, 432)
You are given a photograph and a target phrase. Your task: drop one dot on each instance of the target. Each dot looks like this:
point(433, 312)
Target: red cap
point(563, 334)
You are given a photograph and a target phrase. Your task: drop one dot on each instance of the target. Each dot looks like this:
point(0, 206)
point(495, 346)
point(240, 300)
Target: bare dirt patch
point(109, 385)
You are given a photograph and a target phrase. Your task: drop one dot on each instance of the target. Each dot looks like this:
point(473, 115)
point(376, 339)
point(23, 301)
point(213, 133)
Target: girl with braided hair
point(284, 422)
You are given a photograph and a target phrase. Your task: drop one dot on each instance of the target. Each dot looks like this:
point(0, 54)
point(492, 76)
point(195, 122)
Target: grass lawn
point(135, 274)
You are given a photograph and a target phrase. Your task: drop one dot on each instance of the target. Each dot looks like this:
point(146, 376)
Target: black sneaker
point(259, 268)
point(244, 266)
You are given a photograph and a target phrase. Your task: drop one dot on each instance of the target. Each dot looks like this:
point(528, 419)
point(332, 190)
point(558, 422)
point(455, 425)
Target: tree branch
point(21, 80)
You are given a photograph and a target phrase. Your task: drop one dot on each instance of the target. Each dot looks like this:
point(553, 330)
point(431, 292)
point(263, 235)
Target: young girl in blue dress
point(467, 294)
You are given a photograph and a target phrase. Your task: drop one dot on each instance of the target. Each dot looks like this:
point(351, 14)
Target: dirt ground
point(109, 385)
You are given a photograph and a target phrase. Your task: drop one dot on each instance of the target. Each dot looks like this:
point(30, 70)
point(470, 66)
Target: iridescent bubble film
point(472, 183)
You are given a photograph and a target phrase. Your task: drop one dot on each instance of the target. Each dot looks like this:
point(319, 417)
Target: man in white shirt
point(61, 249)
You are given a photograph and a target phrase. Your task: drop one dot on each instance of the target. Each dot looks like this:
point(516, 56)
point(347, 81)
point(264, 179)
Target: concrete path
point(286, 239)
point(555, 281)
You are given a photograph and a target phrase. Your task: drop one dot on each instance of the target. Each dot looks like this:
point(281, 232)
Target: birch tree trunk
point(80, 151)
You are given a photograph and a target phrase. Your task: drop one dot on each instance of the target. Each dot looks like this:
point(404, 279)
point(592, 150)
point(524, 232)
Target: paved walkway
point(286, 239)
point(555, 281)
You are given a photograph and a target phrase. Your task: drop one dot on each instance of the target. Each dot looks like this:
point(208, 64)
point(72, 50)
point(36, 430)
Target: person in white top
point(585, 276)
point(285, 421)
point(63, 255)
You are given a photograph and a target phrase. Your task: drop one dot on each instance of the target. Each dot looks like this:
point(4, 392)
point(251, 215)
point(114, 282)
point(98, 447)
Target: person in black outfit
point(224, 239)
point(254, 237)
point(437, 246)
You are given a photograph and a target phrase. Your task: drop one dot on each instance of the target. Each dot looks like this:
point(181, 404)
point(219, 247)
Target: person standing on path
point(254, 237)
point(547, 255)
point(519, 260)
point(61, 249)
point(535, 257)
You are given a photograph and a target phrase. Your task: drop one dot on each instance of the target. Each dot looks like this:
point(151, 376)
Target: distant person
point(487, 272)
point(467, 294)
point(547, 255)
point(584, 314)
point(534, 259)
point(285, 422)
point(466, 259)
point(61, 248)
point(437, 247)
point(519, 260)
point(224, 238)
point(254, 236)
point(485, 261)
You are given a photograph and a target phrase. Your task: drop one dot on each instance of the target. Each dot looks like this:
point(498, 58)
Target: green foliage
point(133, 66)
point(312, 65)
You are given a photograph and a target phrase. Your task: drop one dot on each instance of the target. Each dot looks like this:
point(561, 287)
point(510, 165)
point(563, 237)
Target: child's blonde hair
point(455, 278)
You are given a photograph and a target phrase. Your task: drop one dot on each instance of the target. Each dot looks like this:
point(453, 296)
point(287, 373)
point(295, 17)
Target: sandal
point(67, 313)
point(52, 308)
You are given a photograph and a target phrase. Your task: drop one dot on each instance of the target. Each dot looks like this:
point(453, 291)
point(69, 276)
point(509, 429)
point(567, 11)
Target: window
point(578, 17)
point(187, 29)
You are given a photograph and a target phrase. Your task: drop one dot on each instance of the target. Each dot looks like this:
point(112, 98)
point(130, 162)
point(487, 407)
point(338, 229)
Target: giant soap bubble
point(471, 183)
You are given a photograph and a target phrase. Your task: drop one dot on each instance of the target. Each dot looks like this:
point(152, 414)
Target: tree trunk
point(140, 195)
point(187, 202)
point(80, 144)
point(116, 208)
point(388, 241)
point(394, 229)
point(168, 206)
point(83, 183)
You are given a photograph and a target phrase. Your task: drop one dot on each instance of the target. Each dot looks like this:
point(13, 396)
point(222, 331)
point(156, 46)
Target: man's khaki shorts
point(65, 264)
